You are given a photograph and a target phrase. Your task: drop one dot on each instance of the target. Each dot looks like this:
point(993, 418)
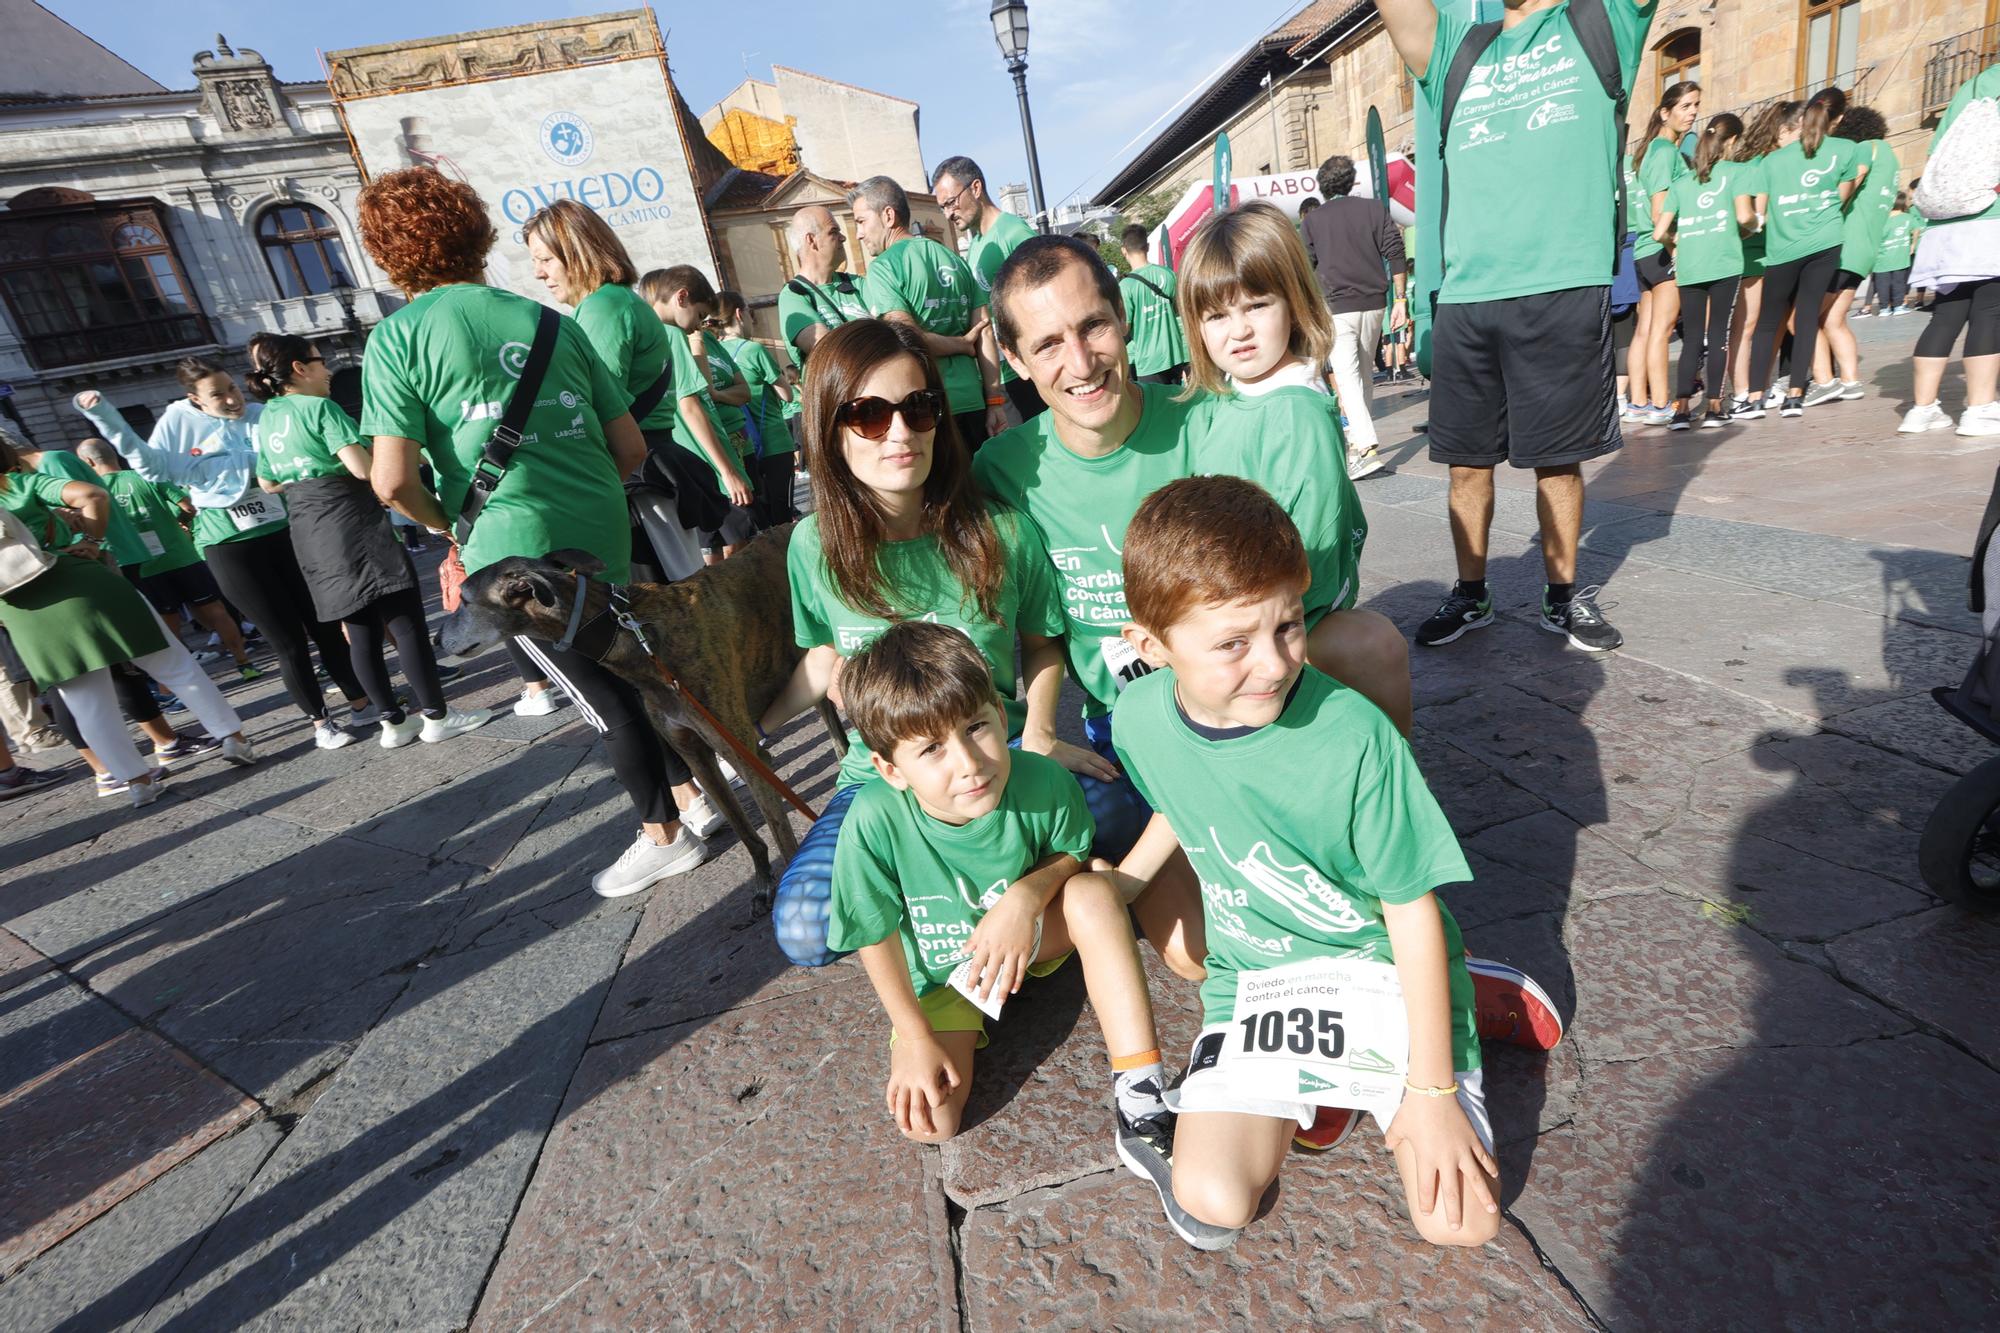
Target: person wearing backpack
point(1958, 257)
point(1156, 342)
point(1531, 116)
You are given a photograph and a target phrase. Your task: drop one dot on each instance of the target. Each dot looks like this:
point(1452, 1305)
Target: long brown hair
point(1715, 140)
point(1825, 106)
point(852, 526)
point(1762, 136)
point(1669, 99)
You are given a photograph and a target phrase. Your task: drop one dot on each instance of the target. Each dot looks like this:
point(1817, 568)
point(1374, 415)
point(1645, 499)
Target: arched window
point(303, 248)
point(1680, 59)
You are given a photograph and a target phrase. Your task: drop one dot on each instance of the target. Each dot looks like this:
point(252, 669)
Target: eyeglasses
point(948, 204)
point(869, 417)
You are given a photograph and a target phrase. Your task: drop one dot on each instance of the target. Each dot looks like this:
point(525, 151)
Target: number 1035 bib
point(1330, 1031)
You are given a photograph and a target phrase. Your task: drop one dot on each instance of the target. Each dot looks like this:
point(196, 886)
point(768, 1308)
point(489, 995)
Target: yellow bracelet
point(1450, 1090)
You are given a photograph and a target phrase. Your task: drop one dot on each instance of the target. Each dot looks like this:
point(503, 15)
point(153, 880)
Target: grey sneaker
point(1823, 393)
point(240, 753)
point(1146, 1146)
point(1581, 621)
point(645, 863)
point(1851, 390)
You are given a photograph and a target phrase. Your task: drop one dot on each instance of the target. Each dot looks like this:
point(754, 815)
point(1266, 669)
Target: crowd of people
point(1025, 469)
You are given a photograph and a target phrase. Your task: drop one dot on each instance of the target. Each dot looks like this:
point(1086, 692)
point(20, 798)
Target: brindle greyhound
point(725, 634)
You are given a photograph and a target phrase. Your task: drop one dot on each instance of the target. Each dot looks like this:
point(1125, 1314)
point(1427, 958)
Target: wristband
point(1422, 1091)
point(999, 400)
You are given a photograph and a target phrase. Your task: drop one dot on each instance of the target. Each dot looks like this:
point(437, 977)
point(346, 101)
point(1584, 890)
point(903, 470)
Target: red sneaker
point(1508, 1006)
point(1330, 1130)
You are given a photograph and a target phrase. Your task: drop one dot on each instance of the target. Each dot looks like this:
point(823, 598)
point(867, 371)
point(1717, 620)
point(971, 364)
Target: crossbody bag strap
point(650, 396)
point(1150, 287)
point(506, 437)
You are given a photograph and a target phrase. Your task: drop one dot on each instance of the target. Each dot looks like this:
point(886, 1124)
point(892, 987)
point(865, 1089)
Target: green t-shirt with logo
point(154, 510)
point(1898, 236)
point(722, 374)
point(933, 286)
point(1661, 166)
point(921, 586)
point(1298, 833)
point(988, 251)
point(760, 371)
point(1708, 243)
point(1868, 212)
point(300, 437)
point(440, 371)
point(898, 870)
point(1157, 341)
point(631, 340)
point(1802, 213)
point(1082, 506)
point(691, 381)
point(1533, 156)
point(121, 539)
point(803, 303)
point(1747, 180)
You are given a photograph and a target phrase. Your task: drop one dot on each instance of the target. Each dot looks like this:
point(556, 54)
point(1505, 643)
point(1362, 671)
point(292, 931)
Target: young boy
point(957, 876)
point(684, 300)
point(1317, 845)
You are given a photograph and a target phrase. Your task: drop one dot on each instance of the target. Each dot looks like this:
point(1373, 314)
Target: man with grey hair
point(916, 281)
point(993, 232)
point(823, 296)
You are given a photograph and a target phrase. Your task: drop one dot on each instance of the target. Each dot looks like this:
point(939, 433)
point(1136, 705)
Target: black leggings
point(1803, 283)
point(1972, 306)
point(772, 475)
point(1708, 305)
point(261, 576)
point(399, 615)
point(645, 765)
point(1892, 288)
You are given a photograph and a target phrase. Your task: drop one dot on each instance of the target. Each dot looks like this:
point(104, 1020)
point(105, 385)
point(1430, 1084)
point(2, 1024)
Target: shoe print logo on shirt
point(1300, 889)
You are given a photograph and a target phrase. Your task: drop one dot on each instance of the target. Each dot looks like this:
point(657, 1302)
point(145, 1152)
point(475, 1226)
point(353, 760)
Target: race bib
point(1123, 661)
point(1329, 1031)
point(154, 546)
point(256, 511)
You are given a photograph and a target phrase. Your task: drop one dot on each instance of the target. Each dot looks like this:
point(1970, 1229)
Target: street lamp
point(1010, 30)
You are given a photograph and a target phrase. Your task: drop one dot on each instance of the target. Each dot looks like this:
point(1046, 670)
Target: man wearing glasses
point(960, 187)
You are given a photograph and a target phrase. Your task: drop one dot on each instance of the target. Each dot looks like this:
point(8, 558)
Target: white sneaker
point(329, 735)
point(143, 794)
point(536, 704)
point(729, 775)
point(1923, 417)
point(1363, 463)
point(455, 723)
point(646, 863)
point(395, 735)
point(702, 818)
point(239, 753)
point(1981, 420)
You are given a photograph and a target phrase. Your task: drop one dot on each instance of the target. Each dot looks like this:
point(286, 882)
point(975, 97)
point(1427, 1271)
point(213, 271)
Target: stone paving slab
point(19, 961)
point(47, 1022)
point(1915, 725)
point(1938, 967)
point(485, 818)
point(1758, 790)
point(1584, 865)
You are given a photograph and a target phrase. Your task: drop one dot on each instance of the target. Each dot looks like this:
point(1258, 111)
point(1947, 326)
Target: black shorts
point(1528, 381)
point(1654, 269)
point(1622, 326)
point(1843, 281)
point(190, 585)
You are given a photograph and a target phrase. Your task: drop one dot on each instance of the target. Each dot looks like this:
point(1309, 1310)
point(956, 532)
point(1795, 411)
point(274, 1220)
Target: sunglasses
point(869, 417)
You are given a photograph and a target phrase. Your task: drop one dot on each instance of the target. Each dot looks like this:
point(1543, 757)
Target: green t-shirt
point(691, 381)
point(1658, 170)
point(760, 371)
point(155, 512)
point(1157, 342)
point(1802, 214)
point(803, 303)
point(988, 251)
point(31, 497)
point(1868, 213)
point(1298, 833)
point(722, 373)
point(1897, 238)
point(1708, 243)
point(897, 870)
point(933, 286)
point(923, 587)
point(1747, 180)
point(121, 539)
point(300, 437)
point(631, 340)
point(1082, 506)
point(1986, 83)
point(440, 371)
point(1533, 155)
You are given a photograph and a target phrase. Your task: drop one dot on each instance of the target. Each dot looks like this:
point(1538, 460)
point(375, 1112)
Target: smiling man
point(960, 187)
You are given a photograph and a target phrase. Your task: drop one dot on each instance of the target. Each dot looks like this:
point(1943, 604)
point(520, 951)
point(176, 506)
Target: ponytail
point(1669, 99)
point(271, 358)
point(1827, 105)
point(1716, 141)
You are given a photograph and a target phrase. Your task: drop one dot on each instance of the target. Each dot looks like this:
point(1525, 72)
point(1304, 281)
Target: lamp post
point(1010, 30)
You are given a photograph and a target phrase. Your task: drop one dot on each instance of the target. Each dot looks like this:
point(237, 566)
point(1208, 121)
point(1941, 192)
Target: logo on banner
point(567, 139)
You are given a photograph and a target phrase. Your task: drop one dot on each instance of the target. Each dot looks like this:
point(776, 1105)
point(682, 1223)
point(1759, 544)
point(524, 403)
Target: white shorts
point(1207, 1089)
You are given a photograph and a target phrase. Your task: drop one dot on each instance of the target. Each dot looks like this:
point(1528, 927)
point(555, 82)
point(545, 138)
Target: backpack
point(1593, 32)
point(1964, 167)
point(22, 559)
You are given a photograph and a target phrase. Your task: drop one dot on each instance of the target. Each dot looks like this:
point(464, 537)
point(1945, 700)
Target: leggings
point(1707, 305)
point(645, 765)
point(530, 670)
point(261, 576)
point(1803, 282)
point(1972, 306)
point(772, 475)
point(1892, 288)
point(399, 615)
point(93, 700)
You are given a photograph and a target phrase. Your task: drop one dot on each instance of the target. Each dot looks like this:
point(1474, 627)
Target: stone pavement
point(345, 1041)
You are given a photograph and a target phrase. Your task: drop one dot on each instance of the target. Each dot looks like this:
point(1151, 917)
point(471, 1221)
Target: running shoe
point(203, 656)
point(1981, 420)
point(395, 735)
point(20, 780)
point(454, 723)
point(729, 774)
point(1456, 615)
point(1146, 1146)
point(1851, 390)
point(1508, 1006)
point(143, 794)
point(1923, 417)
point(1776, 397)
point(239, 752)
point(1746, 409)
point(248, 672)
point(1581, 621)
point(1713, 419)
point(447, 671)
point(645, 863)
point(1330, 1129)
point(185, 747)
point(1681, 421)
point(1364, 463)
point(1794, 406)
point(536, 703)
point(328, 735)
point(701, 817)
point(108, 785)
point(1656, 416)
point(1816, 394)
point(168, 703)
point(1629, 413)
point(1864, 314)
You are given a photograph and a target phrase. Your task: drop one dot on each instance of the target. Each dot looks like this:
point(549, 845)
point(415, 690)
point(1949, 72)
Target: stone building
point(801, 120)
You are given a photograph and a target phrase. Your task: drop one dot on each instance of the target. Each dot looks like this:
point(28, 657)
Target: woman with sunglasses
point(900, 531)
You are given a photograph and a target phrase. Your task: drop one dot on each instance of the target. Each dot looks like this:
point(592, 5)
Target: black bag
point(505, 440)
point(1149, 286)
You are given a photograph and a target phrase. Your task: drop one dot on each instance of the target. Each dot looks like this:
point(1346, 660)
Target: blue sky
point(1099, 71)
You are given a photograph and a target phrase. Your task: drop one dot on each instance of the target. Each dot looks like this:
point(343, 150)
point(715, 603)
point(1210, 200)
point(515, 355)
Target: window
point(1680, 59)
point(303, 248)
point(1829, 46)
point(96, 281)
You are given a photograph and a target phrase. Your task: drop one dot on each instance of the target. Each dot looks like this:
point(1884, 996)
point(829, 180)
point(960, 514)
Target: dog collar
point(591, 637)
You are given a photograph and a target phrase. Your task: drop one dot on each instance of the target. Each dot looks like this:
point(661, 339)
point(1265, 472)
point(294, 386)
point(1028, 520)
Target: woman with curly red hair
point(437, 376)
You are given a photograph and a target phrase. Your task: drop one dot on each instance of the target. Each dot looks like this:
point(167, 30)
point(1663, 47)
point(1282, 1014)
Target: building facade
point(804, 121)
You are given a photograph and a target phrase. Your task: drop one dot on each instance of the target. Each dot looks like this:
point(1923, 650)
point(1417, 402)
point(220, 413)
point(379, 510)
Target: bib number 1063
point(1299, 1031)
